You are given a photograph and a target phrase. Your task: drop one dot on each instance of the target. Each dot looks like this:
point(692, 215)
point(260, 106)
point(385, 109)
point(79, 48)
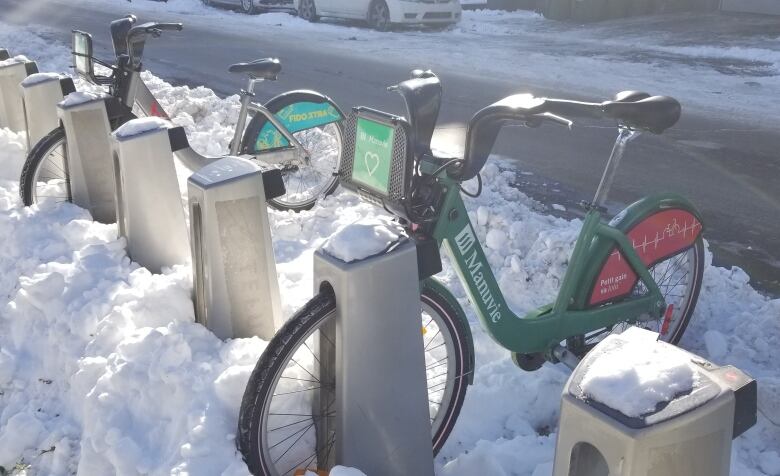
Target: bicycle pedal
point(529, 362)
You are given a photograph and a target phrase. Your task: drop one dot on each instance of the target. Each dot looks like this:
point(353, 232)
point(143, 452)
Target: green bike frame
point(572, 313)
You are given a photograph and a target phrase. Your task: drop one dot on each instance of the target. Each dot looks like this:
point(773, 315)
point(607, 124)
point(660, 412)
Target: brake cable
point(475, 194)
point(446, 164)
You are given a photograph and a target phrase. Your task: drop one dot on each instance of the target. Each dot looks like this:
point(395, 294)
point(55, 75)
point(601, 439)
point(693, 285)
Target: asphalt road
point(727, 168)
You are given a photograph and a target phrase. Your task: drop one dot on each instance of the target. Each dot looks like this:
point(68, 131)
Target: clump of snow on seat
point(15, 60)
point(357, 241)
point(38, 78)
point(80, 97)
point(141, 125)
point(636, 376)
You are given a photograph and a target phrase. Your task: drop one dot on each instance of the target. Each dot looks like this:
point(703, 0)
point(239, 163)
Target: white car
point(381, 14)
point(250, 6)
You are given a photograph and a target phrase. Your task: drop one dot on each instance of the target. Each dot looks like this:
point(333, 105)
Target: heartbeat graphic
point(672, 230)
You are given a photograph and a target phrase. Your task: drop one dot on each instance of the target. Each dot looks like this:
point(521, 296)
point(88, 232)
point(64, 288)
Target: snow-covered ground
point(103, 370)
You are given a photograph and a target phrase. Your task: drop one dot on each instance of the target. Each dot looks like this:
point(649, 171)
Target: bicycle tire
point(256, 125)
point(282, 349)
point(28, 180)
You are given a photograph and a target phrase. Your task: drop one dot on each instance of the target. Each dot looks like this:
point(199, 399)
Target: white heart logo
point(371, 156)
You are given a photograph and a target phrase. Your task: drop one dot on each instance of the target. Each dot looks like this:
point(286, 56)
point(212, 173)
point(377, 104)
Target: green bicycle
point(642, 268)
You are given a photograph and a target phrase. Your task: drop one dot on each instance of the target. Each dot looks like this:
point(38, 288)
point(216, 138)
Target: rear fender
point(659, 226)
point(296, 110)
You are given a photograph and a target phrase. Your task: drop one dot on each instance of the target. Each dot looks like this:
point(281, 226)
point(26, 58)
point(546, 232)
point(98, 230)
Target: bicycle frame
point(544, 328)
point(296, 151)
point(137, 93)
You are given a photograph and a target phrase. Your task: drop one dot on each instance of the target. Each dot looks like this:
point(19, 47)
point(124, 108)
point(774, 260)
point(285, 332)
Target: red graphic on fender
point(157, 111)
point(655, 238)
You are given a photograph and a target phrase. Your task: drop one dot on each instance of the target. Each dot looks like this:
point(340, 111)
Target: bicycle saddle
point(655, 114)
point(266, 68)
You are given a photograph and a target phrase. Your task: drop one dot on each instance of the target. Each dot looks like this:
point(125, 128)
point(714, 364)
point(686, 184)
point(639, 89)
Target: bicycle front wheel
point(286, 418)
point(308, 179)
point(45, 173)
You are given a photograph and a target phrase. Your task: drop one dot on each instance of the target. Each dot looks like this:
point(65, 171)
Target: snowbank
point(103, 370)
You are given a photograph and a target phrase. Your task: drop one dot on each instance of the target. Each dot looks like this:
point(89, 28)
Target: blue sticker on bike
point(296, 117)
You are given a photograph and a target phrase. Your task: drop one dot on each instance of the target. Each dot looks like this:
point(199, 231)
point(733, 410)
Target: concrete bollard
point(234, 270)
point(41, 93)
point(377, 332)
point(12, 72)
point(688, 435)
point(85, 119)
point(149, 209)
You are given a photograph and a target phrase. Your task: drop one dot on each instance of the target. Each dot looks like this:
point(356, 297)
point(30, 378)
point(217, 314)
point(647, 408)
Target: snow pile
point(14, 60)
point(103, 370)
point(37, 78)
point(13, 148)
point(141, 125)
point(357, 241)
point(636, 376)
point(80, 97)
point(101, 361)
point(209, 120)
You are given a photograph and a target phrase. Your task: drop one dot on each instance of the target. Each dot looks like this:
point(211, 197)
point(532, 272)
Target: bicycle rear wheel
point(45, 174)
point(679, 280)
point(316, 176)
point(279, 430)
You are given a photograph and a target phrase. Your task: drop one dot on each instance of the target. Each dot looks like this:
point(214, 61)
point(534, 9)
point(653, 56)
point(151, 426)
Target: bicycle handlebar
point(170, 26)
point(634, 110)
point(152, 28)
point(136, 37)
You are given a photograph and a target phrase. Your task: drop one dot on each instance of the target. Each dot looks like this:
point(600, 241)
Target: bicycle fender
point(437, 287)
point(659, 226)
point(296, 110)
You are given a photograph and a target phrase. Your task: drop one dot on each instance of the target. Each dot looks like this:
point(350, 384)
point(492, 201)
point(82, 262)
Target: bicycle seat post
point(250, 86)
point(625, 135)
point(246, 98)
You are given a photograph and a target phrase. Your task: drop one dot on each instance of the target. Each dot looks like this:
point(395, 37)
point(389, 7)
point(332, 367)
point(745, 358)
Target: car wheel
point(308, 11)
point(379, 15)
point(248, 6)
